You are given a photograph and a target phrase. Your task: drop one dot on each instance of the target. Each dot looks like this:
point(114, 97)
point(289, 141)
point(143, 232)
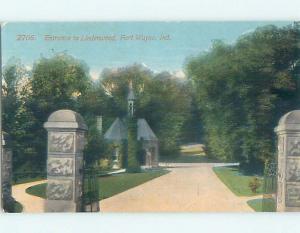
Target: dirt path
point(30, 203)
point(187, 188)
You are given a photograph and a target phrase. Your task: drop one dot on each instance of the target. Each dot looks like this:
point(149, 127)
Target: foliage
point(164, 102)
point(236, 180)
point(96, 147)
point(30, 96)
point(104, 164)
point(254, 184)
point(20, 176)
point(61, 81)
point(242, 90)
point(133, 164)
point(13, 207)
point(17, 117)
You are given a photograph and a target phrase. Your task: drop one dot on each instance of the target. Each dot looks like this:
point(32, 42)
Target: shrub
point(254, 184)
point(133, 164)
point(104, 164)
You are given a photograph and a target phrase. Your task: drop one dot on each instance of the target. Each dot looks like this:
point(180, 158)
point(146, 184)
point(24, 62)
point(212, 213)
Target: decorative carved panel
point(293, 148)
point(61, 142)
point(60, 166)
point(293, 169)
point(60, 190)
point(293, 194)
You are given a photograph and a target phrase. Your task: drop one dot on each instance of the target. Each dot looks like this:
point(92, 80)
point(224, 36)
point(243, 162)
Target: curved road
point(30, 203)
point(187, 188)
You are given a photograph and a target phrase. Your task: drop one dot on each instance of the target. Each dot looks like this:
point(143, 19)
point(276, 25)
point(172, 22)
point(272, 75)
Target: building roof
point(144, 131)
point(118, 131)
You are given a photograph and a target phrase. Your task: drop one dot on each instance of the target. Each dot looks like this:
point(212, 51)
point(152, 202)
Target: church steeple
point(130, 100)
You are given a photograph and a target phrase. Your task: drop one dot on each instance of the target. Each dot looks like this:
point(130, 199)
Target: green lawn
point(109, 185)
point(196, 149)
point(236, 181)
point(37, 190)
point(262, 205)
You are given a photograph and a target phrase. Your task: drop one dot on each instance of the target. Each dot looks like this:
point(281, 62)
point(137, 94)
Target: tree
point(56, 83)
point(243, 89)
point(17, 118)
point(166, 105)
point(162, 100)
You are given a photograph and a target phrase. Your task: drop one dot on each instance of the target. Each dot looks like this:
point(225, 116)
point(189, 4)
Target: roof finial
point(130, 100)
point(131, 95)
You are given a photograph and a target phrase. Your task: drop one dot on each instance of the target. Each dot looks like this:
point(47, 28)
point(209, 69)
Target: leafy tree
point(54, 83)
point(116, 82)
point(161, 100)
point(17, 118)
point(243, 89)
point(166, 106)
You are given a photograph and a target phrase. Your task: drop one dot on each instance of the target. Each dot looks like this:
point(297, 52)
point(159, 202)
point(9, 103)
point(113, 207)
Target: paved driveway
point(30, 203)
point(187, 188)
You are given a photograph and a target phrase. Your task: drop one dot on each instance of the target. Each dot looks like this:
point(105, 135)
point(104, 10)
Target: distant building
point(117, 133)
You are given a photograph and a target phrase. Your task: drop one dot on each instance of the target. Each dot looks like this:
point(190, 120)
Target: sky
point(160, 46)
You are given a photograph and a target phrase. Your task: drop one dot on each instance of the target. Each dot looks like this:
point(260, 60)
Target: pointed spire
point(131, 95)
point(130, 100)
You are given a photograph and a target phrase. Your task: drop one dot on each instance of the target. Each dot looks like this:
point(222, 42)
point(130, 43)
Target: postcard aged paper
point(150, 116)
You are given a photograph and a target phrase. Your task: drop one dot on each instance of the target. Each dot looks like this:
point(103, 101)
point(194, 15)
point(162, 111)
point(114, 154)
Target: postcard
point(192, 116)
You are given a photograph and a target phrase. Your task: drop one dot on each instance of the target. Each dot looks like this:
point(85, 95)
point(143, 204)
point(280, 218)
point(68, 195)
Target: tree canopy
point(62, 81)
point(242, 89)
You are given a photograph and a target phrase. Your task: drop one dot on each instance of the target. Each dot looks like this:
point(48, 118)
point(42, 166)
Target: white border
point(114, 10)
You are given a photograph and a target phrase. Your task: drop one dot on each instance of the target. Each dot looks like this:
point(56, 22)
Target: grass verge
point(262, 205)
point(236, 181)
point(109, 185)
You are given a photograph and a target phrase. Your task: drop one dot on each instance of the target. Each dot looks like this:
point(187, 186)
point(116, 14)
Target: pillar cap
point(289, 122)
point(65, 119)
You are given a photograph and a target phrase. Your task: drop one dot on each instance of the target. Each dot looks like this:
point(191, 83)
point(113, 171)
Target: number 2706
point(26, 37)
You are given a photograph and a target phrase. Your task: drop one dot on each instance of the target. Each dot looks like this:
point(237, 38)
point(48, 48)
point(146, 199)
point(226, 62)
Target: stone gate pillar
point(288, 174)
point(6, 171)
point(66, 140)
